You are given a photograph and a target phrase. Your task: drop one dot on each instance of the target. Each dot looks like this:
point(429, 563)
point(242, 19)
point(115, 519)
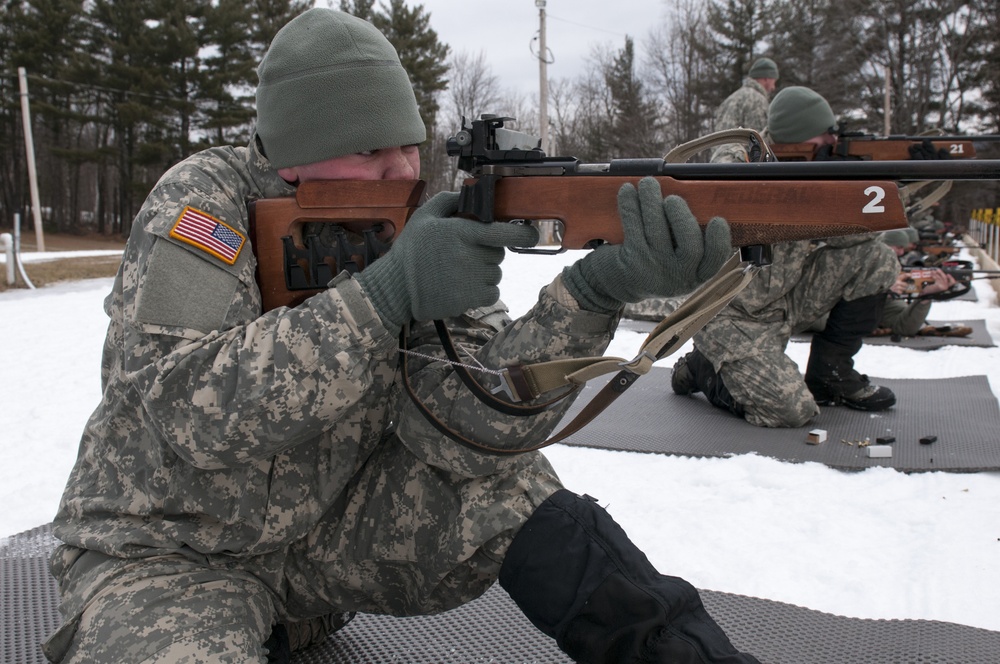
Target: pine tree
point(634, 127)
point(44, 38)
point(228, 74)
point(737, 29)
point(123, 44)
point(423, 56)
point(269, 16)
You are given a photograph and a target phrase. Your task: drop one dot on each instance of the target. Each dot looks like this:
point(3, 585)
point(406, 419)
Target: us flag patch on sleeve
point(202, 230)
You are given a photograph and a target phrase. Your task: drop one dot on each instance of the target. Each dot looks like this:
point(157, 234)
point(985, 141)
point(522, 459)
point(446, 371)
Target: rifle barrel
point(900, 171)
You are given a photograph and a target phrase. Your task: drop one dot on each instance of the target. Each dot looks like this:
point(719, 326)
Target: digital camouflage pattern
point(746, 341)
point(263, 468)
point(746, 108)
point(926, 222)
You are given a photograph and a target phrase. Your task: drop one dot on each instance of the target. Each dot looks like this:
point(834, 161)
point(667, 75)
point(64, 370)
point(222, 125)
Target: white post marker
point(7, 242)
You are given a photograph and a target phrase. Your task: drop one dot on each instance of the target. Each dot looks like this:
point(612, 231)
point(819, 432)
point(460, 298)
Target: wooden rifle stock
point(294, 263)
point(759, 212)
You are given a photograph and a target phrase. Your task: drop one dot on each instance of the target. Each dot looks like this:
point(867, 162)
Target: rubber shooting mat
point(968, 296)
point(961, 413)
point(980, 336)
point(492, 629)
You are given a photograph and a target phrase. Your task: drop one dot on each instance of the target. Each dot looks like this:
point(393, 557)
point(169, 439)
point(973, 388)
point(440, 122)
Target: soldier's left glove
point(664, 252)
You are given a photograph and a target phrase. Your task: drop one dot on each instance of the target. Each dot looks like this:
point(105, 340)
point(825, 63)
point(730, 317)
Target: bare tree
point(674, 67)
point(587, 114)
point(904, 44)
point(817, 43)
point(473, 87)
point(473, 90)
point(964, 40)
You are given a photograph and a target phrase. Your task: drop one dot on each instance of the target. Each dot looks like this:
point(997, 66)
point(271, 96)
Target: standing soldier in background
point(747, 107)
point(739, 361)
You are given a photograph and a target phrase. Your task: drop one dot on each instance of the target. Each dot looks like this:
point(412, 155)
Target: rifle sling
point(669, 335)
point(756, 147)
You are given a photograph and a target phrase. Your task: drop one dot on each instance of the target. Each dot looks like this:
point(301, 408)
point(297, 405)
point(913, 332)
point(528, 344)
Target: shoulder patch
point(202, 230)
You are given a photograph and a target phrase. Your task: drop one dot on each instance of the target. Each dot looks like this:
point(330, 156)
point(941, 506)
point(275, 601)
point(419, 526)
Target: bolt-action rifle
point(513, 180)
point(918, 278)
point(896, 147)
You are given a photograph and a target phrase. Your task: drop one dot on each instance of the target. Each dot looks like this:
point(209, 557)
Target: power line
point(103, 88)
point(584, 25)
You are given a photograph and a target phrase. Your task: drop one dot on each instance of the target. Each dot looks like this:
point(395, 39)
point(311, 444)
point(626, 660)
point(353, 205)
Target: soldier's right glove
point(664, 252)
point(925, 150)
point(440, 266)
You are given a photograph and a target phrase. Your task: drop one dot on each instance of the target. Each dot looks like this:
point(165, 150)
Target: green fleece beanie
point(331, 85)
point(897, 237)
point(763, 68)
point(913, 234)
point(797, 114)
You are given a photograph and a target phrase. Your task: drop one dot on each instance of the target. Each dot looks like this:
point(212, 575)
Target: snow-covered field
point(872, 544)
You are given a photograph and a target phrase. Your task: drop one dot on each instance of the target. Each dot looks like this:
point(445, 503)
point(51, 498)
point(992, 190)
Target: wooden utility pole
point(29, 148)
point(543, 78)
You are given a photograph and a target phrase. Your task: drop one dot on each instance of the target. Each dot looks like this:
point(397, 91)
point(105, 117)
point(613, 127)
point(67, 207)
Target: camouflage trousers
point(749, 351)
point(404, 538)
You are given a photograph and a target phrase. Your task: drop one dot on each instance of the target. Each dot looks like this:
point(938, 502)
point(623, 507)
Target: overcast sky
point(504, 32)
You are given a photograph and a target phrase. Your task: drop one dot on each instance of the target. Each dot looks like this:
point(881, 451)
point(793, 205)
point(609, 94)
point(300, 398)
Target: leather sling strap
point(756, 147)
point(527, 382)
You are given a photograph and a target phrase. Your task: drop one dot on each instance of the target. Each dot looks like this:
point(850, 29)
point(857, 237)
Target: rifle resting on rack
point(895, 147)
point(512, 179)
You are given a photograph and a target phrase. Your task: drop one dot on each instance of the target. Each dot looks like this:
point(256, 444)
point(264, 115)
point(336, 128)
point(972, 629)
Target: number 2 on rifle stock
point(874, 205)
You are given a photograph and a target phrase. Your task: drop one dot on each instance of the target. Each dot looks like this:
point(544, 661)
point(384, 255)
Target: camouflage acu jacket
point(225, 430)
point(747, 107)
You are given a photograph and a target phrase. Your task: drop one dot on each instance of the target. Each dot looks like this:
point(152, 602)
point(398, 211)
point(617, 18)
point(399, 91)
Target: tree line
point(122, 89)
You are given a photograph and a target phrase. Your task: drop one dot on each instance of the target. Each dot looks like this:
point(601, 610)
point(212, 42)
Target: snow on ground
point(871, 544)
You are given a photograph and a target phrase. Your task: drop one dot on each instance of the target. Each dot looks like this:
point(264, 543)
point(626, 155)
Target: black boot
point(287, 638)
point(830, 373)
point(694, 373)
point(278, 649)
point(576, 575)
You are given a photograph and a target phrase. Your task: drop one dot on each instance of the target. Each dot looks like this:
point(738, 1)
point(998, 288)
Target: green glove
point(664, 253)
point(926, 150)
point(440, 266)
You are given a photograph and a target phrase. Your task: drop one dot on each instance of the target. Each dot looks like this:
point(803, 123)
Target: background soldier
point(739, 360)
point(747, 107)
